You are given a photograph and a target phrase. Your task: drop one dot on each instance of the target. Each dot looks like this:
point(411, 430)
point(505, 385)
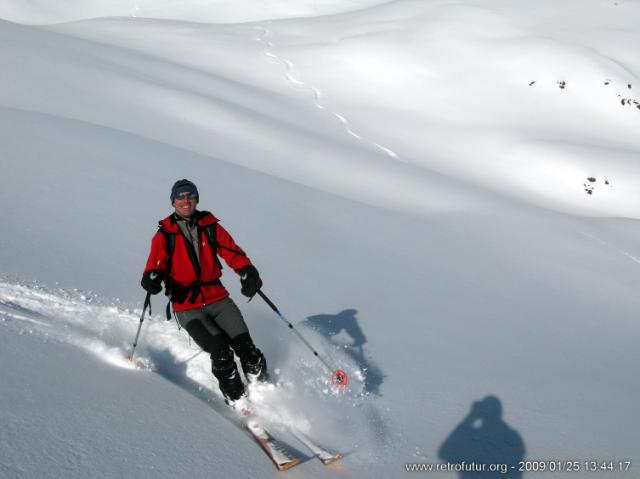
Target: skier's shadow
point(484, 441)
point(169, 367)
point(342, 329)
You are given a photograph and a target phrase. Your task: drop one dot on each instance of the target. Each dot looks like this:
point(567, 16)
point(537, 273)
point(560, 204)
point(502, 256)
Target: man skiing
point(184, 254)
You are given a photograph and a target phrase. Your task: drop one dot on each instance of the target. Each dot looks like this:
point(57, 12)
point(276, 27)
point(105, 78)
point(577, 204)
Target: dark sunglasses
point(186, 196)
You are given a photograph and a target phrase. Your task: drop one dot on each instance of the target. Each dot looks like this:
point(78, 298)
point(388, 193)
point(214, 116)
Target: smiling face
point(185, 204)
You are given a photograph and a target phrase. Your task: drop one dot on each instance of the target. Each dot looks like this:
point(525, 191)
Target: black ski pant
point(219, 329)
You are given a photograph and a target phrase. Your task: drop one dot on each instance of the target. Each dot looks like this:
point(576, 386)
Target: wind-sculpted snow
point(441, 194)
point(472, 99)
point(210, 11)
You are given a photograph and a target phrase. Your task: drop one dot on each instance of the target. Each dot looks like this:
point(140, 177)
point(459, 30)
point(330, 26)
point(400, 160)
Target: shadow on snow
point(483, 445)
point(343, 330)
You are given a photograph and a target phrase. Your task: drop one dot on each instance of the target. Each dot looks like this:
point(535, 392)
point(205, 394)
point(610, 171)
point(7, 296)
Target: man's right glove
point(249, 280)
point(152, 281)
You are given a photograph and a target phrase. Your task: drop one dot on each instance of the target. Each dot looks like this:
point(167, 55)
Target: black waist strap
point(189, 293)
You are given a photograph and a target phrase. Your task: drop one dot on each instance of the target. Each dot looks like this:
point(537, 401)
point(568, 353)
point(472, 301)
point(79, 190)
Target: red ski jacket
point(194, 283)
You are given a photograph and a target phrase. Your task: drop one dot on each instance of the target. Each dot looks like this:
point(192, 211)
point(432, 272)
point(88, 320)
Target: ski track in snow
point(300, 398)
point(609, 245)
point(289, 66)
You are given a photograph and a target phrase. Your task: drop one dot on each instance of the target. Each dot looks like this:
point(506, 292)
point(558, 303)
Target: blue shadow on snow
point(482, 442)
point(343, 330)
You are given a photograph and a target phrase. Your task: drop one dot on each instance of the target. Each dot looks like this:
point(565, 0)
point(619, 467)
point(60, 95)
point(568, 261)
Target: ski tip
point(279, 454)
point(331, 460)
point(288, 465)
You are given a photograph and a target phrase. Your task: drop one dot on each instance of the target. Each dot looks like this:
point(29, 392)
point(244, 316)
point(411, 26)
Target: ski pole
point(147, 304)
point(338, 376)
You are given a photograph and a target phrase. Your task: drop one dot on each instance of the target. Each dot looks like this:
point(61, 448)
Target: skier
point(184, 254)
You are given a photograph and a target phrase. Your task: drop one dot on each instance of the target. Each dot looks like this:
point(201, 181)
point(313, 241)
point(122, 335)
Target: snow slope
point(67, 414)
point(411, 179)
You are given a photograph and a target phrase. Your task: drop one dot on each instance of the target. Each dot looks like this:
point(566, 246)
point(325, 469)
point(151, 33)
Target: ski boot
point(255, 369)
point(254, 364)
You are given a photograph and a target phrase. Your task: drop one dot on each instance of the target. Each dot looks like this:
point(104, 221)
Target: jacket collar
point(202, 218)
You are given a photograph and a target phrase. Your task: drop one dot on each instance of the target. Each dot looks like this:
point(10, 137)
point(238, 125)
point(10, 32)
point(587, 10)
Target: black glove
point(152, 281)
point(250, 280)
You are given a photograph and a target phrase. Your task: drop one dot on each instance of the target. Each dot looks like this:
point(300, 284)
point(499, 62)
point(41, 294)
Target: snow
point(67, 414)
point(441, 196)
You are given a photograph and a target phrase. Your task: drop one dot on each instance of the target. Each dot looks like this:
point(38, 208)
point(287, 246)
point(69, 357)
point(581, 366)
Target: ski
point(245, 408)
point(326, 457)
point(281, 457)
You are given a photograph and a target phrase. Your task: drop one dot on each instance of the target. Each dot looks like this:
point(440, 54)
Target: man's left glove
point(250, 280)
point(152, 281)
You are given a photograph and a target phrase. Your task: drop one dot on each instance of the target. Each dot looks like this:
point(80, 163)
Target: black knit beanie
point(183, 186)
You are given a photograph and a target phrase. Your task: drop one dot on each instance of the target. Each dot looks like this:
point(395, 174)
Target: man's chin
point(186, 215)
